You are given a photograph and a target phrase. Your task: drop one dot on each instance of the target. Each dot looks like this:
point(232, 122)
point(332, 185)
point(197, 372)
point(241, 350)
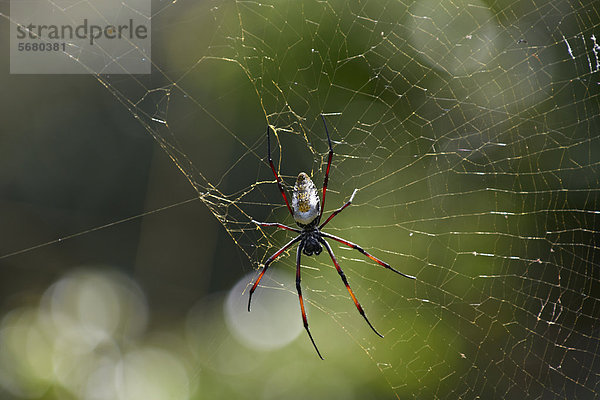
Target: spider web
point(470, 131)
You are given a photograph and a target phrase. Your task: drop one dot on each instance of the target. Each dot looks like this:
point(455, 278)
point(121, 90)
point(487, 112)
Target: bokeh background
point(470, 130)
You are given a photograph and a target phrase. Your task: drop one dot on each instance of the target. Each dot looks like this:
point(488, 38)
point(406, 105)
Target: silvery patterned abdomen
point(305, 200)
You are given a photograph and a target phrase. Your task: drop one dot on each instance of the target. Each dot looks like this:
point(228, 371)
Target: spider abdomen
point(305, 200)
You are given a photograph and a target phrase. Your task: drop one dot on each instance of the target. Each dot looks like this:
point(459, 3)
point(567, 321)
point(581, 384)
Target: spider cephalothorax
point(307, 210)
point(311, 239)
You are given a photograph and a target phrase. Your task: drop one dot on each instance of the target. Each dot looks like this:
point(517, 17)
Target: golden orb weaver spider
point(307, 211)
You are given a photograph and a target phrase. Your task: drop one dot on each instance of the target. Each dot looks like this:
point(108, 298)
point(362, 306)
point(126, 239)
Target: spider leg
point(326, 180)
point(339, 210)
point(360, 249)
point(343, 276)
point(299, 289)
point(279, 182)
point(275, 224)
point(266, 266)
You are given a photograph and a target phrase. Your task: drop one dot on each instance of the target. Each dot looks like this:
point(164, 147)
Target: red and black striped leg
point(279, 182)
point(343, 276)
point(299, 289)
point(326, 180)
point(266, 266)
point(275, 224)
point(357, 247)
point(339, 210)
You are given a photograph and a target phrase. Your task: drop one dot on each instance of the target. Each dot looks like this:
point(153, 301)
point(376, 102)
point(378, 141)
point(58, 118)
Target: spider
point(307, 211)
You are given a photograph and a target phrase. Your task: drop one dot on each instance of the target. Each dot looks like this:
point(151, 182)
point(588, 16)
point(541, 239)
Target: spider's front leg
point(299, 289)
point(361, 311)
point(266, 266)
